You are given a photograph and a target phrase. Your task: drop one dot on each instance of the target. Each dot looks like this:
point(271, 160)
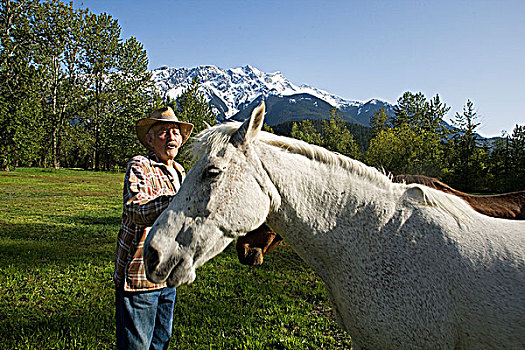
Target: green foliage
point(57, 244)
point(67, 72)
point(467, 159)
point(131, 94)
point(405, 150)
point(192, 107)
point(416, 111)
point(337, 137)
point(507, 162)
point(100, 46)
point(517, 152)
point(414, 143)
point(71, 90)
point(306, 131)
point(332, 134)
point(268, 128)
point(379, 121)
point(19, 120)
point(56, 25)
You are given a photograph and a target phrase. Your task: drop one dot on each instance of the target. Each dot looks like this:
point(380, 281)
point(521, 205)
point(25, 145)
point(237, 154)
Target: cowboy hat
point(164, 114)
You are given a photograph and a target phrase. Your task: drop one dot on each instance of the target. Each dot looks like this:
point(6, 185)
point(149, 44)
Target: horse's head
point(226, 194)
point(252, 248)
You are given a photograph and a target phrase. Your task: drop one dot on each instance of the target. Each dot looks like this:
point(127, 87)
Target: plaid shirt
point(148, 188)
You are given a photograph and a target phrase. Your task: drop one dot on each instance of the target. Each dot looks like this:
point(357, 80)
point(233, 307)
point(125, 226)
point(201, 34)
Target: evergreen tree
point(192, 107)
point(414, 144)
point(507, 158)
point(305, 131)
point(379, 121)
point(133, 97)
point(415, 110)
point(517, 157)
point(410, 109)
point(337, 137)
point(467, 165)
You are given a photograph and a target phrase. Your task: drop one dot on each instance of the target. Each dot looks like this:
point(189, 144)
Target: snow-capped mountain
point(232, 90)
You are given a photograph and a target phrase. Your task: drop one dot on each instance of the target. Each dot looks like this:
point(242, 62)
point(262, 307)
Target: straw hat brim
point(143, 125)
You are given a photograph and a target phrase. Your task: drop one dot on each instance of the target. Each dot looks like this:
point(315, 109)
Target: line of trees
point(70, 87)
point(71, 90)
point(416, 141)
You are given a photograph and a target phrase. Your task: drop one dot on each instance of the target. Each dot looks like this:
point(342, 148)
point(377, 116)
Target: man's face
point(165, 140)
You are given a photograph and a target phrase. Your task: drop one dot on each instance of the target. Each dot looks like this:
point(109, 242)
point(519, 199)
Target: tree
point(405, 150)
point(415, 110)
point(333, 134)
point(55, 53)
point(19, 117)
point(507, 161)
point(305, 131)
point(192, 107)
point(133, 96)
point(337, 137)
point(410, 109)
point(66, 74)
point(466, 155)
point(414, 143)
point(101, 39)
point(517, 157)
point(379, 121)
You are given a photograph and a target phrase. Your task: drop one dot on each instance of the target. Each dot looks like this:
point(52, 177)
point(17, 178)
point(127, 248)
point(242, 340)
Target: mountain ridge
point(232, 91)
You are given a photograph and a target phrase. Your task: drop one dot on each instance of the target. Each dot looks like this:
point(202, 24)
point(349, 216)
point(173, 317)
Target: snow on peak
point(236, 87)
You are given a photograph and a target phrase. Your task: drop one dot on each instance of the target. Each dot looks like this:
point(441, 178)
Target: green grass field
point(57, 242)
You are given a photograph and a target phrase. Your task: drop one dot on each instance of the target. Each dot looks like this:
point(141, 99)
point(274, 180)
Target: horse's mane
point(213, 139)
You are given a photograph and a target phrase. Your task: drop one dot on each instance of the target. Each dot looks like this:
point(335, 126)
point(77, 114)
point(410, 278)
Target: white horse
point(406, 267)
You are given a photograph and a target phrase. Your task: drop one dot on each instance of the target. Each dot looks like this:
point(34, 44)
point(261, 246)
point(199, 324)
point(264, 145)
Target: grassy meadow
point(57, 242)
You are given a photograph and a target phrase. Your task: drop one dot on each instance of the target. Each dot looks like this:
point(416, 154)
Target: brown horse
point(252, 248)
point(505, 206)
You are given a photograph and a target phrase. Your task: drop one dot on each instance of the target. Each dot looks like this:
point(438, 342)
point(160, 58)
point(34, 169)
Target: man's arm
point(145, 201)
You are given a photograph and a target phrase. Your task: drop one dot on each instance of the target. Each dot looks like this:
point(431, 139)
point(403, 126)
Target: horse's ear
point(251, 127)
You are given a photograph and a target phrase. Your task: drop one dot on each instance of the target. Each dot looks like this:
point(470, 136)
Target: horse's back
point(489, 283)
point(506, 206)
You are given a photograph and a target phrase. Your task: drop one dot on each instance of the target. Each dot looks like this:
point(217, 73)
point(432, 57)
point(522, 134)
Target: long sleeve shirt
point(149, 186)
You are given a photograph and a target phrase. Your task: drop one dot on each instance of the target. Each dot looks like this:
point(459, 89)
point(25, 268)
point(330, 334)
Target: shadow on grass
point(35, 243)
point(67, 328)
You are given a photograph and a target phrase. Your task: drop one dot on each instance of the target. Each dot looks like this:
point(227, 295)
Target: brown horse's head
point(252, 248)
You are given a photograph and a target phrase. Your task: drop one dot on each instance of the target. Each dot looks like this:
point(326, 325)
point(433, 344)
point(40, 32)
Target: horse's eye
point(211, 172)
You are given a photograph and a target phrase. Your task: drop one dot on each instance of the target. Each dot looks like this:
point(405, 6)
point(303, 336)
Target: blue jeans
point(144, 319)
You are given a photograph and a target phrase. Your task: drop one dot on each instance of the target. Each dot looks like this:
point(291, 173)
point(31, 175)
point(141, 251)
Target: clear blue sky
point(358, 50)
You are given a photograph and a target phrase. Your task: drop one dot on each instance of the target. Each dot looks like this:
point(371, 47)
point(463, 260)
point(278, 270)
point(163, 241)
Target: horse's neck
point(318, 198)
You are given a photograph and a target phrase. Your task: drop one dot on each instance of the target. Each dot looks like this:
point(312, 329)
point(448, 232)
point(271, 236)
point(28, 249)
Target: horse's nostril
point(152, 260)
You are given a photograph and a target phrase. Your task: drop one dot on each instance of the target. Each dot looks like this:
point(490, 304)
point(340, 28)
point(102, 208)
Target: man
point(144, 310)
